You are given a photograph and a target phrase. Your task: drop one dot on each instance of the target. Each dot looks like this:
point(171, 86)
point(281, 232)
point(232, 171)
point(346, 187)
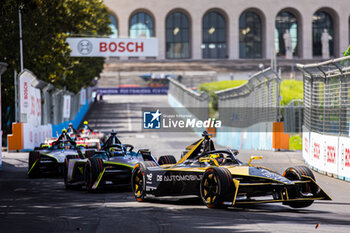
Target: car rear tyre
point(217, 187)
point(65, 169)
point(294, 174)
point(138, 179)
point(93, 168)
point(166, 159)
point(34, 156)
point(89, 153)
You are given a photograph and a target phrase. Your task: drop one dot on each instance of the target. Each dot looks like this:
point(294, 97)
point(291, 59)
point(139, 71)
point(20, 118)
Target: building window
point(141, 25)
point(286, 21)
point(113, 26)
point(214, 36)
point(321, 20)
point(250, 35)
point(177, 36)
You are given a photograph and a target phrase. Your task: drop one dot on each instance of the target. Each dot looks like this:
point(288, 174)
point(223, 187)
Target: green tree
point(46, 25)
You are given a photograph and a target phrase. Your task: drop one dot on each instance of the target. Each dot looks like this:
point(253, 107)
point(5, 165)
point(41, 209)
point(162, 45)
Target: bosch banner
point(30, 100)
point(113, 47)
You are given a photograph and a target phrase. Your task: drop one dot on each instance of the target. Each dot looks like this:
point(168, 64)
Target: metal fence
point(256, 101)
point(196, 103)
point(327, 96)
point(293, 116)
point(53, 105)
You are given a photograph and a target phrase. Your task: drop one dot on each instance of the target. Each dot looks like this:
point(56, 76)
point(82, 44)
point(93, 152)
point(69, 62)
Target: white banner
point(317, 151)
point(83, 96)
point(332, 154)
point(30, 100)
point(24, 89)
point(113, 47)
point(306, 146)
point(344, 161)
point(37, 107)
point(33, 136)
point(66, 106)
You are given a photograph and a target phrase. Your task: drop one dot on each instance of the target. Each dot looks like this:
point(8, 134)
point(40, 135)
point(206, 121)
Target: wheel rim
point(210, 189)
point(138, 183)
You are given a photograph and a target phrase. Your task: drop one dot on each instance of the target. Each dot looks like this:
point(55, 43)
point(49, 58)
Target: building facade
point(235, 29)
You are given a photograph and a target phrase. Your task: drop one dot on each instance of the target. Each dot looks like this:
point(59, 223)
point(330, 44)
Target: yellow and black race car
point(220, 179)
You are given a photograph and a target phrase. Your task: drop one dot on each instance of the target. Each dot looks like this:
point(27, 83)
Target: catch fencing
point(60, 114)
point(256, 101)
point(180, 97)
point(248, 112)
point(293, 116)
point(326, 142)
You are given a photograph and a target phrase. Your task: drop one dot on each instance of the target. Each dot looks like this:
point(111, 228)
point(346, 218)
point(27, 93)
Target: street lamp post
point(20, 36)
point(3, 68)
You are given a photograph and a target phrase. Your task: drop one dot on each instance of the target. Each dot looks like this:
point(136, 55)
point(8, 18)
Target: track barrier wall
point(45, 113)
point(253, 129)
point(326, 141)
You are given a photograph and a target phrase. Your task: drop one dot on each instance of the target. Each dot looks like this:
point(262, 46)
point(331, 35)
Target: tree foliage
point(45, 26)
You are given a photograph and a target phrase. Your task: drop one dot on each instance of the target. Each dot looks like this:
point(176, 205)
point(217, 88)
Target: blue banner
point(133, 91)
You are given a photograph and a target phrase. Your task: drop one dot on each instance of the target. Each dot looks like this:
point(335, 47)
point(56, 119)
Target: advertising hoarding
point(29, 99)
point(66, 106)
point(113, 47)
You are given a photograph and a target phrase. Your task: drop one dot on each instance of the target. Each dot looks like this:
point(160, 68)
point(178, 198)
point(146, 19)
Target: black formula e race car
point(221, 180)
point(49, 159)
point(112, 165)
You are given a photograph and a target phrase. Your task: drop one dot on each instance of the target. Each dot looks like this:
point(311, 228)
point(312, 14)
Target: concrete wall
point(327, 154)
point(255, 137)
point(267, 9)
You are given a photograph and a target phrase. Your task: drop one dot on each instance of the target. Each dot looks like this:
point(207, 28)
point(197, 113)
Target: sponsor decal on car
point(149, 176)
point(169, 178)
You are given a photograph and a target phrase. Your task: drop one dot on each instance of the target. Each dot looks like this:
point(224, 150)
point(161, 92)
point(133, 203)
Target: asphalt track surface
point(43, 205)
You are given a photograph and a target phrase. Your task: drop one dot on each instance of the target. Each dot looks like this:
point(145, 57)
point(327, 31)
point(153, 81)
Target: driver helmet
point(112, 151)
point(64, 130)
point(219, 157)
point(86, 124)
point(70, 126)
